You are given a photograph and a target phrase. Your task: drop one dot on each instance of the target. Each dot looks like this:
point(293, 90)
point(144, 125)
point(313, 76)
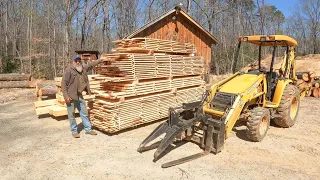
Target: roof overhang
point(175, 10)
point(282, 40)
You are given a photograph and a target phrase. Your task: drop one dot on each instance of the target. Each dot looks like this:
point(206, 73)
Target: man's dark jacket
point(70, 80)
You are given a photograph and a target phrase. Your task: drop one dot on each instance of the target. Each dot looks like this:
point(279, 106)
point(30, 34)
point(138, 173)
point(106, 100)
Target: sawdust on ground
point(43, 148)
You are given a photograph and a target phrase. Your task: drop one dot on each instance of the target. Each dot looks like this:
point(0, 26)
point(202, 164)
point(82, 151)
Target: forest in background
point(39, 37)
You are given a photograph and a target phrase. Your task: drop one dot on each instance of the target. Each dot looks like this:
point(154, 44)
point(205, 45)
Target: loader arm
point(288, 66)
point(233, 112)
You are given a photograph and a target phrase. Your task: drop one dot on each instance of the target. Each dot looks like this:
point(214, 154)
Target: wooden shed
point(177, 25)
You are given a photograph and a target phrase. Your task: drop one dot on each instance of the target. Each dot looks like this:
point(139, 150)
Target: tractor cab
point(287, 70)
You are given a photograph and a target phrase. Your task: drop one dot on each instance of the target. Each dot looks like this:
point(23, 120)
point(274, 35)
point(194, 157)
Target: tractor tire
point(258, 124)
point(289, 107)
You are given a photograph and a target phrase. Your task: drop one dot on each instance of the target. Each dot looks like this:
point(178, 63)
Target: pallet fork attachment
point(213, 132)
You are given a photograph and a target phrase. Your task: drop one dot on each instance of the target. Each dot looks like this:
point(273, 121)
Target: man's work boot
point(76, 135)
point(92, 132)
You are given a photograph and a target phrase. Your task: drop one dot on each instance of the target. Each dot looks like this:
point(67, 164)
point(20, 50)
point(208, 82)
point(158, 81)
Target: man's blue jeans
point(82, 108)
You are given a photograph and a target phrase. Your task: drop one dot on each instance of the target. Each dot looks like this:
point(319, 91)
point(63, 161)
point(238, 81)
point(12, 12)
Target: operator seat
point(272, 81)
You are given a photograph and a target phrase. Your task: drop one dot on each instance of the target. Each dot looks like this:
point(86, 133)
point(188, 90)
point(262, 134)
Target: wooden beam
point(38, 104)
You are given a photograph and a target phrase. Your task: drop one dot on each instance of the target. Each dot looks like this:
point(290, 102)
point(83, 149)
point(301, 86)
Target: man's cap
point(76, 57)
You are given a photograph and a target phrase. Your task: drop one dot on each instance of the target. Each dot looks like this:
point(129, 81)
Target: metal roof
point(282, 40)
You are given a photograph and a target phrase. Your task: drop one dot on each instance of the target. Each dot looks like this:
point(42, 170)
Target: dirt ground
point(43, 148)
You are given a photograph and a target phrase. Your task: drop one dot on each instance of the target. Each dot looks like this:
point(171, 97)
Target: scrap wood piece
point(42, 110)
point(44, 103)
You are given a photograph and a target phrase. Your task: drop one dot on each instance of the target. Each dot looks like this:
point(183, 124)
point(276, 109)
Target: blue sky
point(285, 6)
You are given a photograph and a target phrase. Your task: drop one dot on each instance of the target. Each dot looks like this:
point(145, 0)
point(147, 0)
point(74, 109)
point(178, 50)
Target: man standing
point(74, 82)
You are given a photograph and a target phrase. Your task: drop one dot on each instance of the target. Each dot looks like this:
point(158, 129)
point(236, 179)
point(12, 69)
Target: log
point(311, 80)
point(315, 92)
point(303, 86)
point(305, 77)
point(312, 74)
point(15, 77)
point(309, 92)
point(14, 84)
point(299, 81)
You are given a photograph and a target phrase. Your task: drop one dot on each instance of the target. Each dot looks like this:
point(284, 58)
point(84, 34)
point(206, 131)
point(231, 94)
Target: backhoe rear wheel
point(289, 107)
point(258, 124)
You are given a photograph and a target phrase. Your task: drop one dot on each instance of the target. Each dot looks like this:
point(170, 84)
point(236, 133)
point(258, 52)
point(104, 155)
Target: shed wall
point(181, 30)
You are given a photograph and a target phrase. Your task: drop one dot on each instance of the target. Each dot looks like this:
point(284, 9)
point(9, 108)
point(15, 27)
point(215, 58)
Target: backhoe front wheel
point(289, 107)
point(258, 124)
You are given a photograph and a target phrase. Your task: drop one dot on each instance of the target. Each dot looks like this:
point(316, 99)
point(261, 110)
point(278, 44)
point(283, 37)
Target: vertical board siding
point(181, 30)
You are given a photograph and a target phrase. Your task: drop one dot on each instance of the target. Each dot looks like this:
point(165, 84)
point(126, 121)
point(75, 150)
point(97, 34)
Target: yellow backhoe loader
point(255, 96)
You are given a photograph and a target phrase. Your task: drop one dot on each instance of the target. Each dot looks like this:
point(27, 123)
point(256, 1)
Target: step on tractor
point(256, 96)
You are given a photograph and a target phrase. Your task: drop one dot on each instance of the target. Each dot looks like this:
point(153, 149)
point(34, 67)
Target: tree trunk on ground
point(14, 84)
point(14, 77)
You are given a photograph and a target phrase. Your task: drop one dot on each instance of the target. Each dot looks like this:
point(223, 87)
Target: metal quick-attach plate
point(221, 101)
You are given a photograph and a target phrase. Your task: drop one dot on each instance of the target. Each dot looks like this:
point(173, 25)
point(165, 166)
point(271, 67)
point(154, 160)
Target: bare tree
point(311, 10)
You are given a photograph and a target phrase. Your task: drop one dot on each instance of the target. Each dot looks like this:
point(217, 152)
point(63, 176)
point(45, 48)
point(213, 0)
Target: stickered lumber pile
point(130, 67)
point(115, 90)
point(114, 116)
point(139, 84)
point(156, 45)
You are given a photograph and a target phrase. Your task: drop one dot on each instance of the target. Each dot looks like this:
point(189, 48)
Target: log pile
point(139, 84)
point(15, 80)
point(315, 90)
point(305, 81)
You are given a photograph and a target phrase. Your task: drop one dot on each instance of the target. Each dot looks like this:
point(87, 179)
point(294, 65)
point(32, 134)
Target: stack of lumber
point(130, 66)
point(15, 80)
point(111, 116)
point(153, 45)
point(305, 81)
point(138, 87)
point(57, 107)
